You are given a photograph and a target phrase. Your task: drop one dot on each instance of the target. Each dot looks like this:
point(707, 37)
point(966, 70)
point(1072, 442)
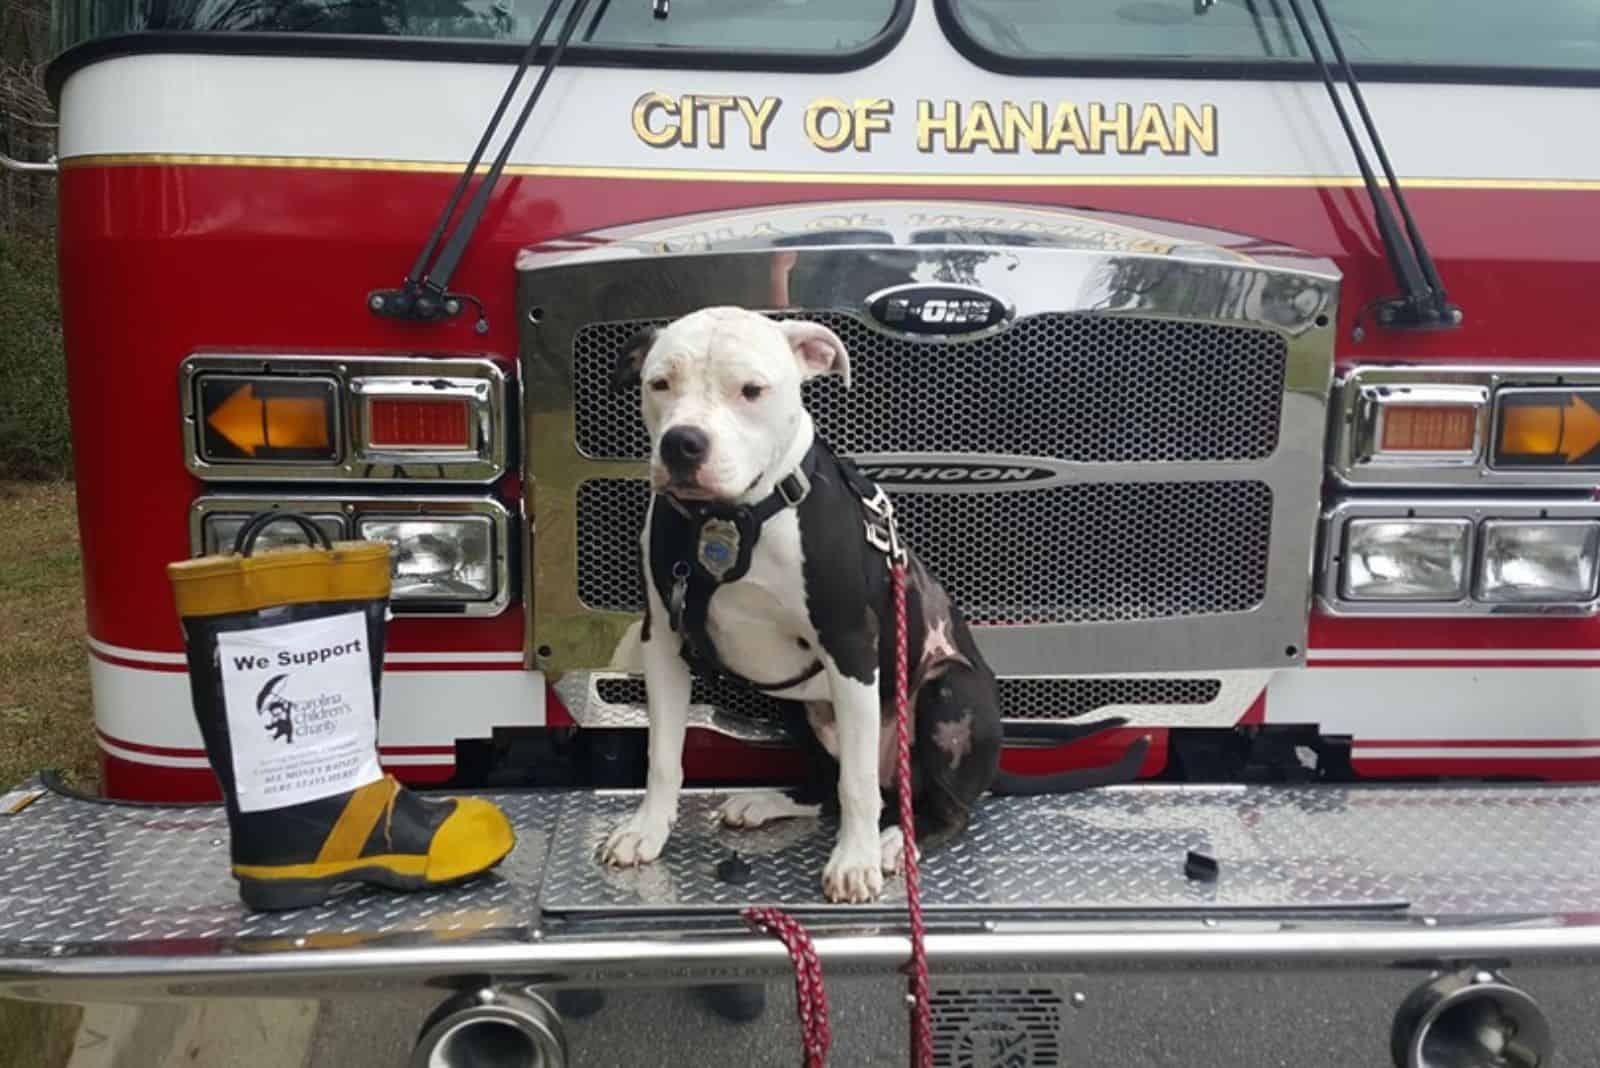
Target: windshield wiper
point(425, 294)
point(1422, 303)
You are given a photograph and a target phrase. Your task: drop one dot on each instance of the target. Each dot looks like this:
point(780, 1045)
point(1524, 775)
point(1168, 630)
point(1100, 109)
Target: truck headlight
point(1405, 559)
point(1538, 561)
point(437, 558)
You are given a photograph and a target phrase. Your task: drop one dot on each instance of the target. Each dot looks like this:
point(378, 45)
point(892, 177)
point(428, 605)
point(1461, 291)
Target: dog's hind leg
point(954, 754)
point(757, 809)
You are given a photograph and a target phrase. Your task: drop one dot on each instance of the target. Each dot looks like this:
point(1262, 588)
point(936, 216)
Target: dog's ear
point(625, 370)
point(818, 349)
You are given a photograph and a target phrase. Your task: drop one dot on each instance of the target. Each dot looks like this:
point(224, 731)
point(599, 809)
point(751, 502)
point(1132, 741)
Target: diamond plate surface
point(74, 873)
point(1445, 851)
point(79, 876)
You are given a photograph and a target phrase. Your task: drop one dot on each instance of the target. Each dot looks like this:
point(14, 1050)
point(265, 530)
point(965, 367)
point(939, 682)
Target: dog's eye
point(752, 391)
point(659, 385)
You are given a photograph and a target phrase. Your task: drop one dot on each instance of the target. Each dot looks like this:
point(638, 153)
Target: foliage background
point(33, 396)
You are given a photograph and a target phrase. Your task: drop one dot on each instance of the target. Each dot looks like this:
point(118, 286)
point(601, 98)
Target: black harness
point(697, 547)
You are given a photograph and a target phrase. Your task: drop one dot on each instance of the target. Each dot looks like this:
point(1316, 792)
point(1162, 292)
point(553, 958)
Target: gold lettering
point(1201, 131)
point(1066, 130)
point(642, 110)
point(686, 124)
point(716, 107)
point(945, 124)
point(872, 116)
point(816, 111)
point(1099, 126)
point(979, 128)
point(759, 118)
point(1019, 130)
point(1152, 130)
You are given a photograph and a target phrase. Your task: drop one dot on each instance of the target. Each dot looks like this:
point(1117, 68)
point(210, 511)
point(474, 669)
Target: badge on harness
point(718, 550)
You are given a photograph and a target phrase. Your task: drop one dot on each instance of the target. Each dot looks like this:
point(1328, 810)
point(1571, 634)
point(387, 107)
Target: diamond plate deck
point(77, 876)
point(1105, 852)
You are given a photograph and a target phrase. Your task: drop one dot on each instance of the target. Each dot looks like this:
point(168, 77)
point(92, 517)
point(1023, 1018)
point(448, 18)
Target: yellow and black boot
point(285, 653)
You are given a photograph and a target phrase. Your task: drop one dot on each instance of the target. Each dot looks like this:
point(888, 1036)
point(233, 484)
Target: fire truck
point(1226, 359)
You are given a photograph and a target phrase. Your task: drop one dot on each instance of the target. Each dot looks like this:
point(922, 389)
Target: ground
point(44, 697)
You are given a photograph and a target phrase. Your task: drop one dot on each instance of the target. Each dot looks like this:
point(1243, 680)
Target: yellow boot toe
point(472, 839)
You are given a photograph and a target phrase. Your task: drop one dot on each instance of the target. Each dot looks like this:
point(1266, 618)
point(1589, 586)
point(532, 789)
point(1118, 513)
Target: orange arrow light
point(250, 422)
point(1564, 426)
point(1580, 432)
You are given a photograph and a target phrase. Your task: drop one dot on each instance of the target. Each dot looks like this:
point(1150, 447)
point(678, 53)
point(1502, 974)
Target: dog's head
point(720, 394)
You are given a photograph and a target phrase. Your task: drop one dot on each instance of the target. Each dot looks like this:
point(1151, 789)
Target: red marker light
point(418, 423)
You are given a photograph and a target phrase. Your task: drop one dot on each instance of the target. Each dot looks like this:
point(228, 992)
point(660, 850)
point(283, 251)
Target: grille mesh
point(1081, 388)
point(1076, 553)
point(1019, 698)
point(997, 1028)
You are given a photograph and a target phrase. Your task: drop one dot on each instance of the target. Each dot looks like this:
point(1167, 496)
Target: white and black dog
point(764, 560)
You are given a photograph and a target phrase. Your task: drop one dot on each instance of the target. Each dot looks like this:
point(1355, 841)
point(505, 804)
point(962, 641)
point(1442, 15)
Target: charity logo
point(278, 709)
point(286, 718)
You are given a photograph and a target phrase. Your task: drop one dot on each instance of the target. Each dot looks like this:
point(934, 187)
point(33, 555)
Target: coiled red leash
point(810, 995)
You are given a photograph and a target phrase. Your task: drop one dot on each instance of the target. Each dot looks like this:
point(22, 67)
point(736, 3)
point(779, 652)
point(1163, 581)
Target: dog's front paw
point(854, 872)
point(638, 841)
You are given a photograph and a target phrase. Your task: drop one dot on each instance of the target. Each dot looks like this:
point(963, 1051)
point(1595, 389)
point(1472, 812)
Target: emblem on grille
point(961, 473)
point(938, 311)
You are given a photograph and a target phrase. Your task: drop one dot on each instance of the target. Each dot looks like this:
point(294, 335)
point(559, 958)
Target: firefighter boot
point(285, 654)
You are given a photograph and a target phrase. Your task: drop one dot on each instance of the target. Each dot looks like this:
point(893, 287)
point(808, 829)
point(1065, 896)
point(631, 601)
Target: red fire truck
point(1245, 406)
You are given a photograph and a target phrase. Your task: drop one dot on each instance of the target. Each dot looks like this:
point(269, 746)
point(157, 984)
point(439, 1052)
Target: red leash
point(811, 996)
point(921, 1023)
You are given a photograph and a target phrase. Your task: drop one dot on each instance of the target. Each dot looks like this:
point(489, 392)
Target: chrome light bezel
point(354, 507)
point(490, 417)
point(474, 392)
point(1330, 553)
point(1353, 434)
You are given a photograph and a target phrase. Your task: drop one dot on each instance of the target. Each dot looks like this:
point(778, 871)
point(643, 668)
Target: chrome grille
point(1082, 388)
point(1075, 553)
point(1045, 699)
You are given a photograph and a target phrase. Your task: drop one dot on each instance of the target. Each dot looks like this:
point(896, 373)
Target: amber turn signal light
point(1548, 428)
point(1429, 428)
point(258, 418)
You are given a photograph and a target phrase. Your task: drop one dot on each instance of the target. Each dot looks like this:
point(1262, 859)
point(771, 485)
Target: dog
point(767, 558)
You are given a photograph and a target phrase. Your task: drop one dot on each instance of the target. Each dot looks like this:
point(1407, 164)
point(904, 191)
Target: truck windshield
point(756, 26)
point(1027, 36)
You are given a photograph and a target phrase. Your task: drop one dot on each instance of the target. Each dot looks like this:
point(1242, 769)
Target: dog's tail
point(1124, 769)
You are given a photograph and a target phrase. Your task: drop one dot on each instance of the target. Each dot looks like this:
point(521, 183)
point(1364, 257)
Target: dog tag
point(718, 550)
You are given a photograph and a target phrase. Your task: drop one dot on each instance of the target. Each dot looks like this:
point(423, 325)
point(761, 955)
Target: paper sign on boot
point(300, 710)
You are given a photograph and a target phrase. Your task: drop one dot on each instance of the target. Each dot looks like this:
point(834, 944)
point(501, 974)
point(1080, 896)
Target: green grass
point(45, 716)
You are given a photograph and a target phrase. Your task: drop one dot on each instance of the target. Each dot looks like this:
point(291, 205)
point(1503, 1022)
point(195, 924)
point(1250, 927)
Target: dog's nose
point(683, 447)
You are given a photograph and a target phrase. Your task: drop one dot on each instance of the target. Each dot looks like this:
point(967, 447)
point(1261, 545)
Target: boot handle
point(244, 542)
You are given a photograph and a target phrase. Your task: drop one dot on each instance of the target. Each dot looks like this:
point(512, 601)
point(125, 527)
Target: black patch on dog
point(625, 370)
point(846, 582)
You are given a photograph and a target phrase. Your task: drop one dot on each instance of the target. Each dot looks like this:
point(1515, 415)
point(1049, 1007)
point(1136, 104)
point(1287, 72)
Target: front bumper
point(1071, 916)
